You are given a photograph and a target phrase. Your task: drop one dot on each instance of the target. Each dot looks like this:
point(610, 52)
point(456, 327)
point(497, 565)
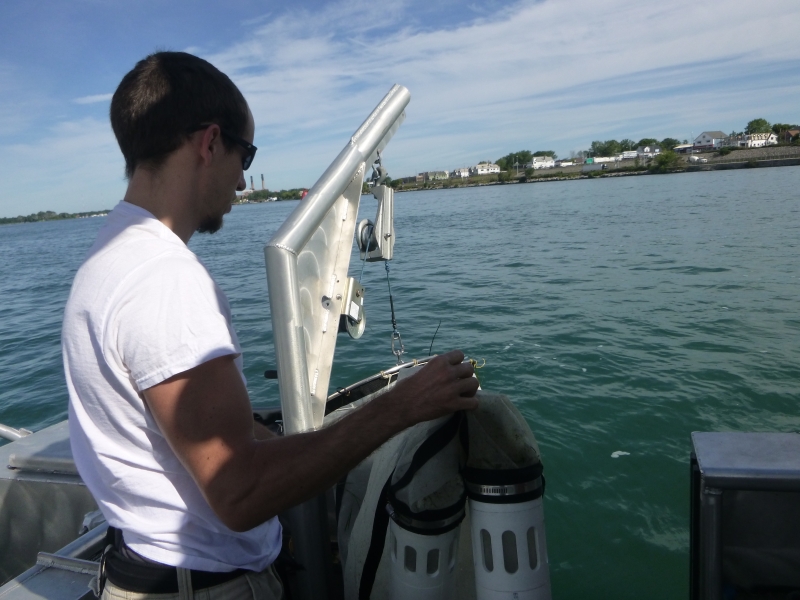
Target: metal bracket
point(65, 563)
point(353, 319)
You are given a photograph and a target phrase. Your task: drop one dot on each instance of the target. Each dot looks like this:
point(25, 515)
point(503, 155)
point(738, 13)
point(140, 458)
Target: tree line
point(263, 195)
point(764, 126)
point(49, 215)
point(521, 159)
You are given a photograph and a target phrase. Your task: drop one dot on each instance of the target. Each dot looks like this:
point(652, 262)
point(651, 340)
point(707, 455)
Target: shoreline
point(722, 165)
point(694, 168)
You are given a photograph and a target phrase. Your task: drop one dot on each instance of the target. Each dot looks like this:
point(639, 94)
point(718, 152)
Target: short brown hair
point(166, 96)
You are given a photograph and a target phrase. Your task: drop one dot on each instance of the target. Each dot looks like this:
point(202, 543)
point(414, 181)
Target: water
point(620, 315)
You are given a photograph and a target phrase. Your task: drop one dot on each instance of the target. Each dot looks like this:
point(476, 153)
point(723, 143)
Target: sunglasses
point(250, 154)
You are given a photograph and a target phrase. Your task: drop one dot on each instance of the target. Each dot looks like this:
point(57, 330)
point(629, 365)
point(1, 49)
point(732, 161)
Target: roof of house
point(761, 136)
point(713, 134)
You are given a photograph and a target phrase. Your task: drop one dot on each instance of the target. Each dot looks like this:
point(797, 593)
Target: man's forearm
point(247, 479)
point(285, 471)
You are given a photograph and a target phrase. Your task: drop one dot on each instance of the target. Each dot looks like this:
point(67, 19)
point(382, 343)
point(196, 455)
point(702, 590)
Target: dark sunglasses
point(248, 157)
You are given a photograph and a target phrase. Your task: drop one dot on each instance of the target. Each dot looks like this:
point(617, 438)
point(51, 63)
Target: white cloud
point(537, 75)
point(545, 74)
point(93, 99)
point(78, 161)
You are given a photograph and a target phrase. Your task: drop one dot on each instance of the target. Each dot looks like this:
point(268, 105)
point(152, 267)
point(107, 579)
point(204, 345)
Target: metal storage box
point(745, 513)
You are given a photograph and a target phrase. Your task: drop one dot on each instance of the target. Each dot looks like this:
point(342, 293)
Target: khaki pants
point(255, 586)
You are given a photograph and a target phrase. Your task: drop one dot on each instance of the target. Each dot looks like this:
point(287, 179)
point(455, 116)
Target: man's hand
point(247, 476)
point(443, 386)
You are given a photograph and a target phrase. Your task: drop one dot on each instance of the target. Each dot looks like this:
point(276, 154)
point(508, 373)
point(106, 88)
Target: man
point(160, 420)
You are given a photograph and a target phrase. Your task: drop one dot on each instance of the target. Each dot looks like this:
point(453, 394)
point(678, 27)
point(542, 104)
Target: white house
point(759, 140)
point(648, 151)
point(710, 140)
point(484, 169)
point(436, 175)
point(543, 162)
point(462, 172)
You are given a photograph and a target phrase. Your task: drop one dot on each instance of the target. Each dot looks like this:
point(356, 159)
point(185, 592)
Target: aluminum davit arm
point(307, 263)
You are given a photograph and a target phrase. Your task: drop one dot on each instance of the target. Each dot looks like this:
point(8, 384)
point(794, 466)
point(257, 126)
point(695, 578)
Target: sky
point(486, 78)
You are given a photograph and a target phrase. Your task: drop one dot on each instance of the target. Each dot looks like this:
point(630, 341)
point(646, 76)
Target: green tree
point(627, 144)
point(546, 153)
point(529, 172)
point(665, 161)
point(503, 176)
point(758, 126)
point(606, 148)
point(514, 160)
point(647, 142)
point(669, 143)
point(781, 130)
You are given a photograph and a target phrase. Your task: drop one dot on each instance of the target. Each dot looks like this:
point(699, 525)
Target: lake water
point(619, 314)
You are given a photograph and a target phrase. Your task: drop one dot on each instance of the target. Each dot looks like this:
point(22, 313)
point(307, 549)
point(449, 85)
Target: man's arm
point(205, 415)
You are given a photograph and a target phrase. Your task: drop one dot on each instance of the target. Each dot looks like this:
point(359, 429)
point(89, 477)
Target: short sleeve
point(168, 316)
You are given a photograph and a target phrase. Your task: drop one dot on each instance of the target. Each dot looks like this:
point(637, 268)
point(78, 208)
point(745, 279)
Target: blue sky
point(485, 78)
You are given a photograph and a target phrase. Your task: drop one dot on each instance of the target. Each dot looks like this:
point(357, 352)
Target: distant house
point(648, 151)
point(484, 169)
point(709, 140)
point(543, 162)
point(459, 173)
point(436, 175)
point(759, 140)
point(791, 134)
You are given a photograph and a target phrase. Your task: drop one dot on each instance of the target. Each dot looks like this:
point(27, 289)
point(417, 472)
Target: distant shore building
point(752, 140)
point(436, 175)
point(759, 140)
point(710, 140)
point(683, 148)
point(543, 162)
point(564, 163)
point(460, 173)
point(628, 154)
point(484, 169)
point(648, 151)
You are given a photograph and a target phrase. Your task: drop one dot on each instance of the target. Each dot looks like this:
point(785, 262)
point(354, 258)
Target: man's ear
point(210, 144)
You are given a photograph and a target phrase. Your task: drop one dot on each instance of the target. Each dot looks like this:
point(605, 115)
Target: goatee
point(210, 225)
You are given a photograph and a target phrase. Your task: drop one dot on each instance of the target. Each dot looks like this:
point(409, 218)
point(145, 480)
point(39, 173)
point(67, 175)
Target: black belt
point(147, 578)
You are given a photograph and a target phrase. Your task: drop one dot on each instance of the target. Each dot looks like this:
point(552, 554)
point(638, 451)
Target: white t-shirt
point(142, 309)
